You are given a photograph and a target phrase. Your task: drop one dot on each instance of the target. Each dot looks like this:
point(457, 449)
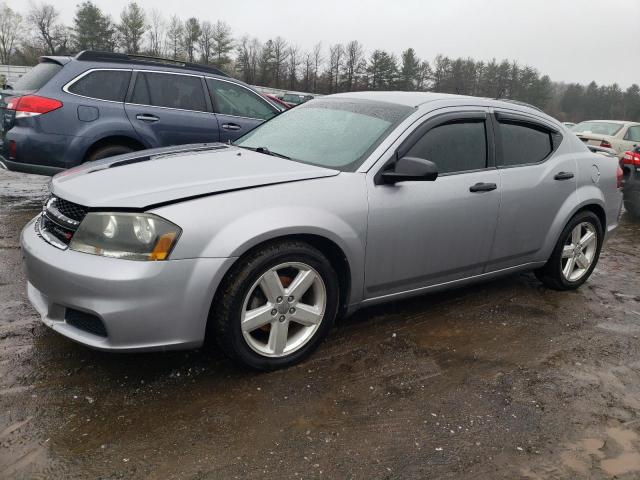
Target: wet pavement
point(504, 380)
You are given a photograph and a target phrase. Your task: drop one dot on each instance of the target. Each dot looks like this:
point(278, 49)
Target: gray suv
point(344, 201)
point(69, 110)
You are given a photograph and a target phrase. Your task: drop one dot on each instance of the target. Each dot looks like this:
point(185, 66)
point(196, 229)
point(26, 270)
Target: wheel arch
point(334, 253)
point(125, 140)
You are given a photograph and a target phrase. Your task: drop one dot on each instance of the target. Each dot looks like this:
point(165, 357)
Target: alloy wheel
point(283, 309)
point(579, 251)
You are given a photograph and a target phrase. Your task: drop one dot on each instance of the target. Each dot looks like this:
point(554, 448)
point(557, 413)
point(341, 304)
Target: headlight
point(132, 236)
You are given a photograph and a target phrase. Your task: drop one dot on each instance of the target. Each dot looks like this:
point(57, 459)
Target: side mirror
point(410, 169)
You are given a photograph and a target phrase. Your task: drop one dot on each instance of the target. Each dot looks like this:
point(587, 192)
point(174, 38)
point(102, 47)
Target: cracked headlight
point(132, 236)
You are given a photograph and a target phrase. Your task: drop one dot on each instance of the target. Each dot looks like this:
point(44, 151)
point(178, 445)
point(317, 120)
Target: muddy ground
point(504, 380)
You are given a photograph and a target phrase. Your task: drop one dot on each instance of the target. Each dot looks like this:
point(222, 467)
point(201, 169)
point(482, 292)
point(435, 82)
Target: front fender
point(229, 224)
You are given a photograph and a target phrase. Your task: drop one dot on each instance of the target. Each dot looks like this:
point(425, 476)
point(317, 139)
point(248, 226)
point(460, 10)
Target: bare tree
point(44, 18)
point(205, 43)
point(317, 63)
point(307, 67)
point(336, 54)
point(156, 33)
point(174, 37)
point(354, 55)
point(279, 59)
point(10, 23)
point(293, 63)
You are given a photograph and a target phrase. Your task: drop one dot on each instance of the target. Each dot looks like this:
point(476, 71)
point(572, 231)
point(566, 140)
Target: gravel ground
point(504, 380)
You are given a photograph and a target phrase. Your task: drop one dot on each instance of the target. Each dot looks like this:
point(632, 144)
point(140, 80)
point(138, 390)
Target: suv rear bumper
point(29, 167)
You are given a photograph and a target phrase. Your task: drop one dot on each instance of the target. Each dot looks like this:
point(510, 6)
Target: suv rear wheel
point(108, 151)
point(575, 255)
point(276, 305)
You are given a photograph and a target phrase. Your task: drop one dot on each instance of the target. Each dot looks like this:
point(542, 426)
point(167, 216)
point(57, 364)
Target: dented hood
point(165, 175)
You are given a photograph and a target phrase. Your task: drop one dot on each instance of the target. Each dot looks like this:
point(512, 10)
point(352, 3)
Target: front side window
point(333, 133)
point(232, 99)
point(633, 134)
point(524, 144)
point(169, 90)
point(454, 147)
point(103, 84)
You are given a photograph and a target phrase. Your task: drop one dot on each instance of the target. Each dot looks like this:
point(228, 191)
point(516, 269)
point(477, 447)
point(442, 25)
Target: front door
point(424, 233)
point(238, 109)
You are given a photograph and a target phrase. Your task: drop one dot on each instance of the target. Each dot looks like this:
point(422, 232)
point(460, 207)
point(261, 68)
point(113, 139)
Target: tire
point(552, 274)
point(241, 292)
point(633, 208)
point(108, 151)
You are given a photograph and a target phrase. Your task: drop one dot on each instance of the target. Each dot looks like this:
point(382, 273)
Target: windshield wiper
point(266, 151)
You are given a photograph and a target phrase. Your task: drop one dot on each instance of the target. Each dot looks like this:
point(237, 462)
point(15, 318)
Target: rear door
point(171, 109)
point(537, 177)
point(237, 108)
point(426, 233)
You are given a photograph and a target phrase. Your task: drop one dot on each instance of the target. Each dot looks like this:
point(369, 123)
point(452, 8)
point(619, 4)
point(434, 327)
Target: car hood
point(165, 175)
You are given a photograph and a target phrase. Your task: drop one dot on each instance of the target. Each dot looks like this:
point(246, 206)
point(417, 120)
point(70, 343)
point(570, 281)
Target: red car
point(279, 103)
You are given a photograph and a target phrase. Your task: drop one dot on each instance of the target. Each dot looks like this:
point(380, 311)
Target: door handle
point(483, 187)
point(147, 118)
point(563, 176)
point(231, 126)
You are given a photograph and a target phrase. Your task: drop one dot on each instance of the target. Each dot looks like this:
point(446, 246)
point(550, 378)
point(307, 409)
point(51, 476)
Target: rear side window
point(103, 84)
point(37, 77)
point(523, 144)
point(454, 147)
point(168, 90)
point(633, 134)
point(232, 99)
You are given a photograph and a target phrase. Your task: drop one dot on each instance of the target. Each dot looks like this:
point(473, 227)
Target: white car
point(618, 135)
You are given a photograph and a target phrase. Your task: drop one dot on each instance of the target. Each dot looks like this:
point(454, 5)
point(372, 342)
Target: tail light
point(631, 158)
point(620, 177)
point(33, 105)
point(605, 144)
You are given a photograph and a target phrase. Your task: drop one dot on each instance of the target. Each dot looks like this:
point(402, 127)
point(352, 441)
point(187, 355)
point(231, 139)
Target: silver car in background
point(345, 201)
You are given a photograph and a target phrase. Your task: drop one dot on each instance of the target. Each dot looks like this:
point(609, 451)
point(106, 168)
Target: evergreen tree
point(93, 30)
point(132, 28)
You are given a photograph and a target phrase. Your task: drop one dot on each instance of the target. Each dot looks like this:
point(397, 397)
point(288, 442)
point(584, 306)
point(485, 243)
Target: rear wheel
point(276, 306)
point(575, 255)
point(108, 151)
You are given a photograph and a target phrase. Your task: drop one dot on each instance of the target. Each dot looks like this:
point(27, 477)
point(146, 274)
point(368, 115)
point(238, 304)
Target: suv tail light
point(605, 144)
point(620, 177)
point(32, 105)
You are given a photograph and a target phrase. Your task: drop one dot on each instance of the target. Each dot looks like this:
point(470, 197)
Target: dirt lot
point(501, 380)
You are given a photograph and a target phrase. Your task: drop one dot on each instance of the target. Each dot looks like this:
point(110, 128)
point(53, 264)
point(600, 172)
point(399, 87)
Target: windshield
point(335, 133)
point(600, 128)
point(37, 77)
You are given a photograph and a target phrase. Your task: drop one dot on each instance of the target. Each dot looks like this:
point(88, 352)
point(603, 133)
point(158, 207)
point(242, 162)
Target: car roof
point(409, 99)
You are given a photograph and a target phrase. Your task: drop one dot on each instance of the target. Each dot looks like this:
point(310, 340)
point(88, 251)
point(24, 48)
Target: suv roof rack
point(97, 56)
point(518, 102)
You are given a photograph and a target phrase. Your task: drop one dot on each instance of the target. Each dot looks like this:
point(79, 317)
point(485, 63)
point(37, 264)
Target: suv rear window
point(37, 77)
point(169, 90)
point(103, 84)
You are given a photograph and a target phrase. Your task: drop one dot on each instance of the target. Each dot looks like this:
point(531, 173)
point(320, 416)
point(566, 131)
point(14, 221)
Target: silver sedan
point(344, 201)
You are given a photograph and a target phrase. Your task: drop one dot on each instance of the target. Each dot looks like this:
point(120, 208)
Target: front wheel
point(276, 305)
point(575, 255)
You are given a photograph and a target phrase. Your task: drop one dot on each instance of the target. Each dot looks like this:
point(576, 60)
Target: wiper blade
point(266, 151)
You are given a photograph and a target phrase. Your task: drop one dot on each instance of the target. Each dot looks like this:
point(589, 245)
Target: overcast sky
point(571, 40)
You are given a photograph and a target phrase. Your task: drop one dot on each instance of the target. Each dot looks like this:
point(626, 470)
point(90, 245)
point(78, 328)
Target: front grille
point(59, 221)
point(85, 321)
point(70, 209)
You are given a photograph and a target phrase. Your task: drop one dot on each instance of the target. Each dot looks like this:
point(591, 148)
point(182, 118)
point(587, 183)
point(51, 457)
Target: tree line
point(281, 64)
